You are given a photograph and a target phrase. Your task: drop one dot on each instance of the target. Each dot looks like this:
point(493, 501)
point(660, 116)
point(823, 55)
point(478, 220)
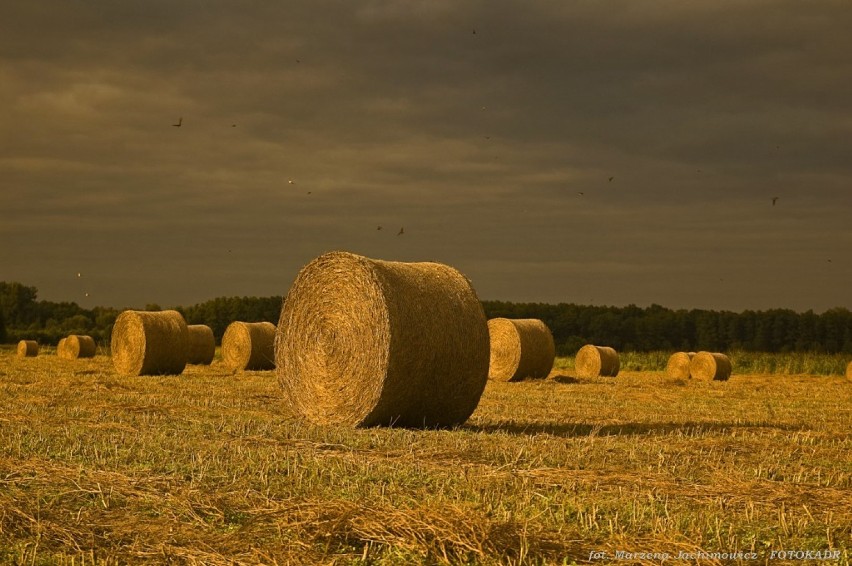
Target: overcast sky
point(595, 152)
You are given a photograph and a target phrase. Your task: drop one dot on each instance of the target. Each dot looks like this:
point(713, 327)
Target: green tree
point(17, 303)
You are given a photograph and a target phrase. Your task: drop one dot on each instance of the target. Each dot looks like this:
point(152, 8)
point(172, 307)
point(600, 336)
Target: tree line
point(630, 328)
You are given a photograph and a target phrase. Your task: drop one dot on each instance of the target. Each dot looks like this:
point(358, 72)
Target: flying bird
point(78, 275)
point(401, 232)
point(581, 193)
point(774, 200)
point(180, 121)
point(291, 182)
point(378, 228)
point(610, 179)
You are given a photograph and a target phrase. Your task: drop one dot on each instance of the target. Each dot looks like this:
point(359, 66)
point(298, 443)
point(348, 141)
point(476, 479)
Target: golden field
point(210, 468)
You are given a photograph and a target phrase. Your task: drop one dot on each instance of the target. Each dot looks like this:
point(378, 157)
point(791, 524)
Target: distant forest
point(630, 328)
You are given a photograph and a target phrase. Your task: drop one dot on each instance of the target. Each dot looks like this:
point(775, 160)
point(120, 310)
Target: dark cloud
point(395, 113)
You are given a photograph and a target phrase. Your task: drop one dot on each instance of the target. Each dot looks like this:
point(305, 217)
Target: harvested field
point(208, 467)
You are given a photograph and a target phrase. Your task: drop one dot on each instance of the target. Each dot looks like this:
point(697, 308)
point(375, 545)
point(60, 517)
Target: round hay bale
point(149, 343)
point(520, 348)
point(596, 361)
point(27, 349)
point(76, 346)
point(678, 365)
point(249, 346)
point(201, 344)
point(366, 342)
point(708, 366)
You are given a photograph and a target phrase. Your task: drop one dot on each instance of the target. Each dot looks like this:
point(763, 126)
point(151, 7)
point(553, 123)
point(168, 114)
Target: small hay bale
point(678, 365)
point(709, 366)
point(520, 348)
point(366, 342)
point(149, 343)
point(76, 346)
point(249, 346)
point(596, 361)
point(27, 349)
point(201, 344)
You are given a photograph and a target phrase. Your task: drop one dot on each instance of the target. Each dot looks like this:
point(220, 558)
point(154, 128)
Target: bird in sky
point(610, 179)
point(581, 193)
point(378, 228)
point(774, 200)
point(401, 232)
point(78, 275)
point(291, 181)
point(180, 121)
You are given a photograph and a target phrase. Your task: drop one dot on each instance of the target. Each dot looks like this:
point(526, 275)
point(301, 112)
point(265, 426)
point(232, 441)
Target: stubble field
point(209, 468)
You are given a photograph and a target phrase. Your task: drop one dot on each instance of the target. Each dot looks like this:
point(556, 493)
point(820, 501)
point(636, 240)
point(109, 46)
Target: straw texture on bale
point(27, 348)
point(708, 366)
point(76, 346)
point(366, 342)
point(149, 343)
point(249, 346)
point(596, 361)
point(849, 371)
point(201, 344)
point(520, 348)
point(678, 365)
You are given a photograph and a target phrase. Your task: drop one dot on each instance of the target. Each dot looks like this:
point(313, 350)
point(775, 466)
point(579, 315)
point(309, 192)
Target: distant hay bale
point(27, 349)
point(149, 343)
point(201, 344)
point(249, 346)
point(678, 365)
point(520, 348)
point(595, 361)
point(367, 342)
point(76, 346)
point(709, 366)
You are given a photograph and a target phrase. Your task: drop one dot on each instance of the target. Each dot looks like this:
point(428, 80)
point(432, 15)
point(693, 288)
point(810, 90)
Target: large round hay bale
point(678, 365)
point(708, 366)
point(367, 342)
point(520, 348)
point(149, 343)
point(27, 349)
point(596, 361)
point(76, 346)
point(201, 344)
point(249, 346)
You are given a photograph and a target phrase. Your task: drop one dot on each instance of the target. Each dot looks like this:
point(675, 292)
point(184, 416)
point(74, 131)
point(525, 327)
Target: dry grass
point(249, 346)
point(209, 468)
point(149, 343)
point(520, 349)
point(678, 365)
point(76, 346)
point(708, 366)
point(27, 349)
point(200, 344)
point(368, 342)
point(595, 361)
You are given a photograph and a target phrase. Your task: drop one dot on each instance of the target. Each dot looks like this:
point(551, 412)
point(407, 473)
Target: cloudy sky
point(587, 151)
